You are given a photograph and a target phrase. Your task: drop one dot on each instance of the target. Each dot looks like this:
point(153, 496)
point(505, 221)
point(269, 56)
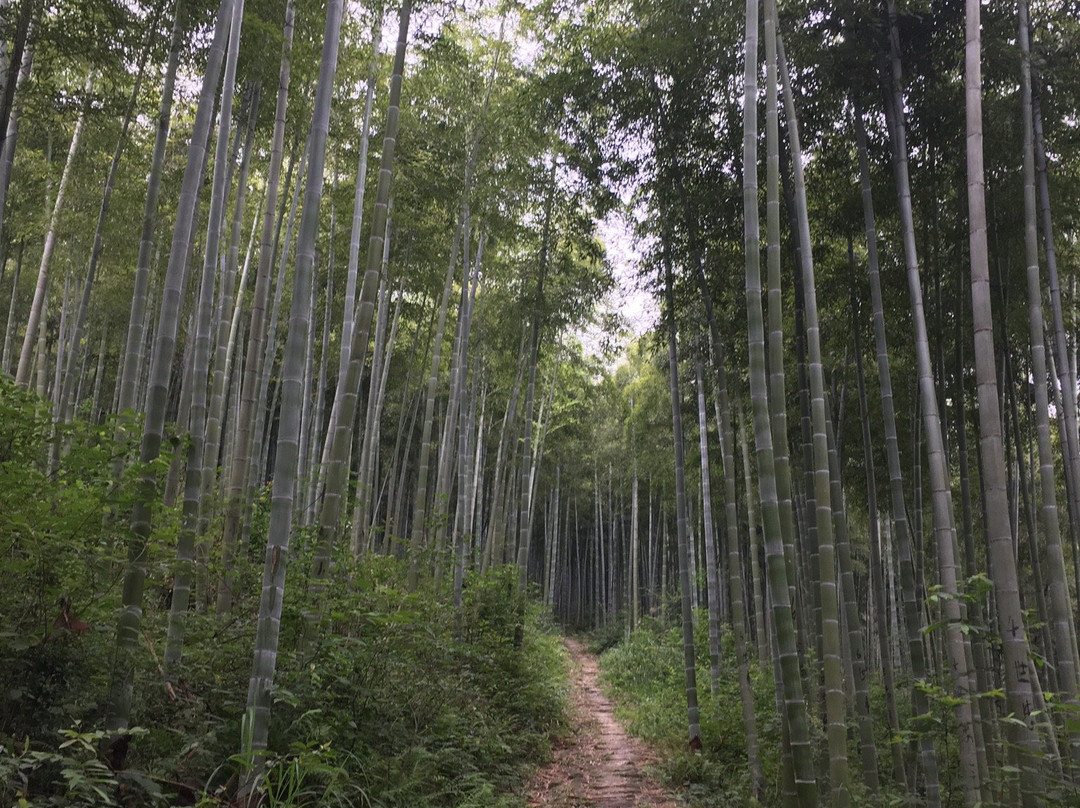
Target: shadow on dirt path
point(597, 764)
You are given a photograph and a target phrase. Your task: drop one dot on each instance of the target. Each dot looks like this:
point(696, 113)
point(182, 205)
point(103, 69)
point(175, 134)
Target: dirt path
point(597, 765)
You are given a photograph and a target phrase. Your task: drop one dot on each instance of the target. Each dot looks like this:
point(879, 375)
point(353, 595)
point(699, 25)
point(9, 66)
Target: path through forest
point(597, 764)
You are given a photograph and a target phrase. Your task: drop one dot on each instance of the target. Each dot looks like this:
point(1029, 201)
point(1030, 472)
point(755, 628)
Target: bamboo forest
point(539, 403)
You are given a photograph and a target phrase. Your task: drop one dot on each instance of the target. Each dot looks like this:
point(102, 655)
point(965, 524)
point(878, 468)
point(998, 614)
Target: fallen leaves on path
point(597, 764)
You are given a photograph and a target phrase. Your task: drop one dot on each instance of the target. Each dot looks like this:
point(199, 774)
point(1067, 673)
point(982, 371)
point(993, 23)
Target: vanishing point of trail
point(597, 764)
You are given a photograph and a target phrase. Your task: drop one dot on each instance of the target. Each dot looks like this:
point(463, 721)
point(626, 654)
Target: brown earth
point(597, 764)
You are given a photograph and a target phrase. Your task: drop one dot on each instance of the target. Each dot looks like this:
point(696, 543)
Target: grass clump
point(644, 674)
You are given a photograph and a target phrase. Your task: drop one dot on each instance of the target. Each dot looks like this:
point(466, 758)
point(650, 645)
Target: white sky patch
point(633, 302)
point(634, 305)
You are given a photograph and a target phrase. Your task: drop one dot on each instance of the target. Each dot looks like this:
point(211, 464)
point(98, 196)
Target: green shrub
point(404, 702)
point(645, 675)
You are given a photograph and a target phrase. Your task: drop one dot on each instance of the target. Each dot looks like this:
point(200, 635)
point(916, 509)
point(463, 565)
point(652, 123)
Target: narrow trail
point(597, 765)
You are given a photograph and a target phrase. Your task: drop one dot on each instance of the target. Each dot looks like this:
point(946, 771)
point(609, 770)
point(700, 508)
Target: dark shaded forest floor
point(596, 764)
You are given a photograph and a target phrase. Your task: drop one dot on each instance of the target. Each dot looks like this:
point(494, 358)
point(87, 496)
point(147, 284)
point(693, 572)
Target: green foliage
point(72, 775)
point(645, 675)
point(607, 636)
point(426, 718)
point(393, 712)
point(311, 775)
point(396, 708)
point(65, 549)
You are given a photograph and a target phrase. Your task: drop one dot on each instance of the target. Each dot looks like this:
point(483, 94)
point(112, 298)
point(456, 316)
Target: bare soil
point(597, 764)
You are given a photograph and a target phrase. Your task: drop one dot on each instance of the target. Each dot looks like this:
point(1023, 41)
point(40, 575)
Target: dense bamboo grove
point(843, 457)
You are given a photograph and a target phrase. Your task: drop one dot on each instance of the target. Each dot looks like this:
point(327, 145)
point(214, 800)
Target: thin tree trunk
point(62, 335)
point(854, 651)
point(877, 584)
point(236, 338)
point(194, 487)
point(496, 536)
point(349, 309)
point(835, 705)
point(9, 329)
point(681, 519)
point(711, 566)
point(348, 317)
point(18, 68)
point(41, 359)
point(311, 449)
point(133, 357)
point(463, 452)
point(256, 723)
point(1067, 385)
point(303, 456)
point(760, 625)
point(1062, 629)
point(282, 252)
point(542, 421)
point(943, 515)
point(418, 536)
point(366, 433)
point(790, 679)
point(534, 358)
point(99, 374)
point(225, 334)
point(913, 619)
point(63, 411)
point(37, 306)
point(775, 353)
point(735, 590)
point(635, 551)
point(330, 513)
point(1019, 671)
point(419, 525)
point(130, 619)
point(390, 342)
point(24, 19)
point(448, 445)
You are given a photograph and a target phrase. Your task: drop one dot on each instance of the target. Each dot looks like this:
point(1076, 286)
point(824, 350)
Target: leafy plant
point(73, 775)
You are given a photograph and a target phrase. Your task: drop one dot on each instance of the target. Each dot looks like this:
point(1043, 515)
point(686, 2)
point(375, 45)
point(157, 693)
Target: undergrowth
point(401, 705)
point(644, 674)
point(394, 710)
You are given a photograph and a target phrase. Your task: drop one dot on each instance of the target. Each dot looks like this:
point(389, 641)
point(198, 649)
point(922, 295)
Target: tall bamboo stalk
point(689, 671)
point(1062, 628)
point(333, 497)
point(224, 333)
point(536, 323)
point(1019, 671)
point(63, 411)
point(835, 705)
point(132, 356)
point(790, 679)
point(37, 305)
point(349, 308)
point(712, 571)
point(942, 505)
point(194, 478)
point(130, 619)
point(9, 329)
point(912, 613)
point(877, 583)
point(256, 722)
